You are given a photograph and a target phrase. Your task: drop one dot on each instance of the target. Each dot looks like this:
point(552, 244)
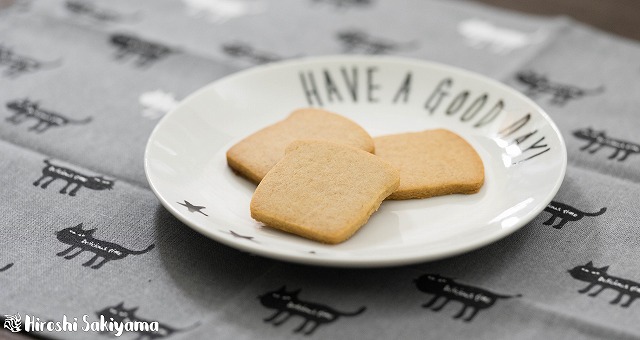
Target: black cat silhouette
point(242, 50)
point(561, 93)
point(473, 298)
point(287, 303)
point(566, 213)
point(53, 172)
point(25, 109)
point(6, 267)
point(146, 52)
point(121, 315)
point(600, 140)
point(599, 277)
point(79, 238)
point(356, 41)
point(18, 64)
point(91, 11)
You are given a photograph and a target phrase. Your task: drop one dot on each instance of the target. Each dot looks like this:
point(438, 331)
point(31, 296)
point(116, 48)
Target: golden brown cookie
point(255, 155)
point(323, 191)
point(432, 163)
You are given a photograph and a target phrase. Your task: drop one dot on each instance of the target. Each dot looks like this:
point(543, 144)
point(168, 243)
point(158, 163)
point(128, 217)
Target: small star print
point(193, 208)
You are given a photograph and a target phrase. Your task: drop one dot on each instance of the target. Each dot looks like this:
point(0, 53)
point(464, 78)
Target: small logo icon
point(13, 322)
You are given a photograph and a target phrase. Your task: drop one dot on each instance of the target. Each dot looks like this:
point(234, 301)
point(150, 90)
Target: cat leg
point(75, 190)
point(144, 61)
point(562, 223)
point(281, 321)
point(44, 127)
point(91, 261)
point(587, 288)
point(461, 312)
point(431, 302)
point(588, 145)
point(312, 329)
point(97, 266)
point(272, 317)
point(15, 118)
point(37, 182)
point(596, 148)
point(473, 315)
point(64, 189)
point(438, 308)
point(626, 304)
point(122, 53)
point(36, 127)
point(615, 154)
point(617, 299)
point(46, 184)
point(626, 154)
point(21, 118)
point(301, 327)
point(66, 251)
point(597, 291)
point(551, 220)
point(68, 257)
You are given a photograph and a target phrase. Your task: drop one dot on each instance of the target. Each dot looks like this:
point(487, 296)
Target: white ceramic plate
point(523, 153)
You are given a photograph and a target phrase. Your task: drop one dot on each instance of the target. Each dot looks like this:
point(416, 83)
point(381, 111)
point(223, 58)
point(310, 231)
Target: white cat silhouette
point(219, 11)
point(157, 103)
point(483, 34)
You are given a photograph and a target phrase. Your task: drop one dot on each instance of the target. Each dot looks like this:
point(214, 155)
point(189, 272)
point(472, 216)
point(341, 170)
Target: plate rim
point(358, 262)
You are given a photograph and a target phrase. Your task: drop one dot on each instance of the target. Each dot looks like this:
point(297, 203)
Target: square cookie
point(323, 191)
point(432, 163)
point(255, 155)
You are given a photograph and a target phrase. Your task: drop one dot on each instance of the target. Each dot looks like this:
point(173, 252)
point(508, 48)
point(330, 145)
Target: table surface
point(94, 78)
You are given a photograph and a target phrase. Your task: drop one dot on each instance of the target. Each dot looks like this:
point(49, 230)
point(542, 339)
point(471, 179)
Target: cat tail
point(597, 90)
point(52, 63)
point(598, 213)
point(146, 250)
point(6, 267)
point(81, 121)
point(358, 312)
point(508, 296)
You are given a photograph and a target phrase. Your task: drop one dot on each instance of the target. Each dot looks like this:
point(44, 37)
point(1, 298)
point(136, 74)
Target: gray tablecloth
point(83, 84)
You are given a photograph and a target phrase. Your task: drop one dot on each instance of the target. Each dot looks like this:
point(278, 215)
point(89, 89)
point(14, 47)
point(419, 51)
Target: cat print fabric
point(120, 314)
point(145, 52)
point(566, 213)
point(81, 240)
point(598, 139)
point(249, 53)
point(287, 304)
point(52, 172)
point(91, 11)
point(537, 84)
point(357, 41)
point(599, 279)
point(26, 109)
point(17, 64)
point(444, 290)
